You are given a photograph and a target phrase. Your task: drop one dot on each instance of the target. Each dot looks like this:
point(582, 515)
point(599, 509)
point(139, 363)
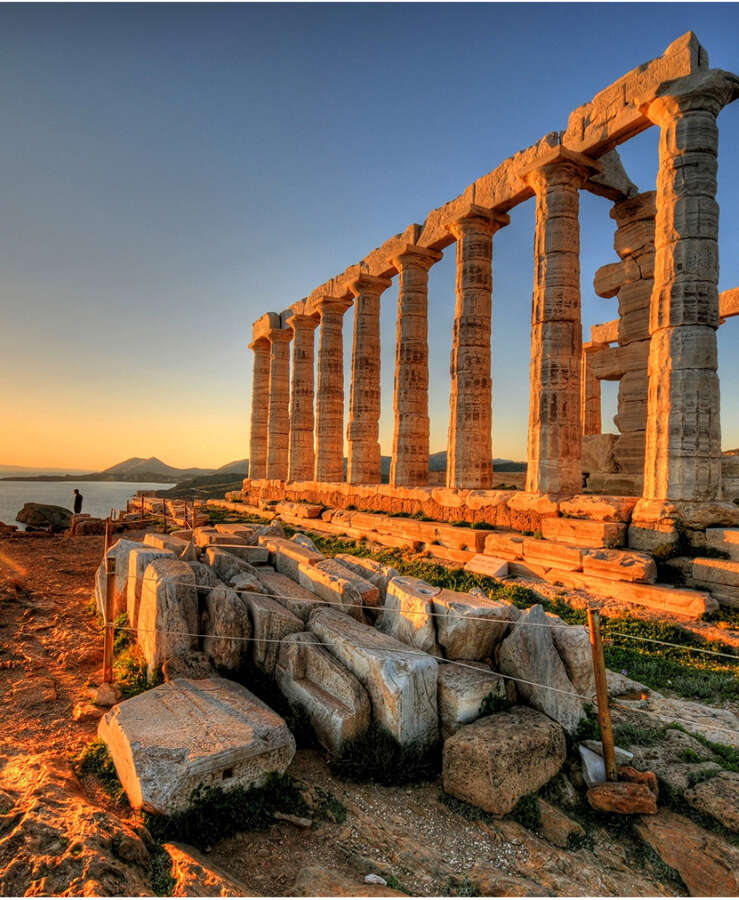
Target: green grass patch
point(122, 636)
point(129, 670)
point(526, 812)
point(491, 704)
point(162, 880)
point(94, 759)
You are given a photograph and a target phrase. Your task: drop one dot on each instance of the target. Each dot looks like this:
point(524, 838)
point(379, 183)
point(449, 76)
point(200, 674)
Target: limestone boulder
point(44, 515)
point(401, 684)
point(226, 566)
point(529, 655)
point(138, 561)
point(409, 613)
point(271, 622)
point(306, 542)
point(299, 600)
point(314, 681)
point(625, 797)
point(470, 625)
point(376, 573)
point(496, 760)
point(227, 628)
point(369, 593)
point(462, 689)
point(573, 645)
point(327, 580)
point(168, 616)
point(167, 742)
point(120, 551)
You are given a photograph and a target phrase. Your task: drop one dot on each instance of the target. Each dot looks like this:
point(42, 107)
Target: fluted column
point(555, 429)
point(470, 444)
point(279, 400)
point(330, 398)
point(259, 410)
point(683, 439)
point(363, 429)
point(301, 456)
point(410, 461)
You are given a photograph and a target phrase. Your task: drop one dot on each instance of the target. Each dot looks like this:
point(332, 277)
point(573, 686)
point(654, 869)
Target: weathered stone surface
point(552, 555)
point(278, 421)
point(409, 613)
point(718, 797)
point(170, 740)
point(462, 688)
point(44, 515)
point(557, 828)
point(301, 457)
point(327, 580)
point(583, 532)
point(168, 616)
point(369, 594)
point(138, 561)
point(320, 881)
point(720, 577)
point(226, 566)
point(496, 760)
point(333, 699)
point(255, 556)
point(227, 628)
point(624, 797)
point(376, 573)
point(330, 391)
point(621, 565)
point(505, 544)
point(529, 654)
point(482, 564)
point(194, 665)
point(196, 876)
point(726, 539)
point(573, 645)
point(259, 410)
point(306, 542)
point(708, 865)
point(271, 621)
point(300, 601)
point(121, 552)
point(288, 556)
point(470, 625)
point(598, 450)
point(401, 684)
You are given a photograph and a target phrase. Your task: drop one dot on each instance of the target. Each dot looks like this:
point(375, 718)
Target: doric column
point(590, 394)
point(363, 429)
point(555, 430)
point(259, 410)
point(470, 445)
point(301, 456)
point(330, 399)
point(683, 439)
point(279, 400)
point(410, 462)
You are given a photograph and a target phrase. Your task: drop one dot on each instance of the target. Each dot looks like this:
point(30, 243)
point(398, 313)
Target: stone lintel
point(604, 333)
point(557, 156)
point(728, 304)
point(708, 89)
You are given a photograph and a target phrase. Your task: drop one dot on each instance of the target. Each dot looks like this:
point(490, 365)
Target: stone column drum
point(555, 430)
point(301, 456)
point(410, 460)
point(590, 394)
point(259, 410)
point(363, 429)
point(330, 398)
point(470, 444)
point(683, 440)
point(279, 399)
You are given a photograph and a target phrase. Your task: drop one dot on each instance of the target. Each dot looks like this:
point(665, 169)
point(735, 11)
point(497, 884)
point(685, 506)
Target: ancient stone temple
point(661, 347)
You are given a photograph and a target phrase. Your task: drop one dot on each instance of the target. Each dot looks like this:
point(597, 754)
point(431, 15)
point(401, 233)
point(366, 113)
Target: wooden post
point(108, 634)
point(186, 525)
point(107, 534)
point(194, 514)
point(142, 506)
point(601, 687)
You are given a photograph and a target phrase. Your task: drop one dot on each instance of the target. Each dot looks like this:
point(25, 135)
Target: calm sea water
point(99, 496)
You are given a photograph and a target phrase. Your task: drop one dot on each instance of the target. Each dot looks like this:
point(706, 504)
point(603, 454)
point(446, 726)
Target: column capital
point(369, 283)
point(479, 219)
point(559, 165)
point(261, 343)
point(298, 321)
point(326, 303)
point(413, 255)
point(708, 90)
point(280, 334)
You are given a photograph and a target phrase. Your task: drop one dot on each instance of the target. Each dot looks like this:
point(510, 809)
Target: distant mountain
point(238, 467)
point(138, 466)
point(32, 471)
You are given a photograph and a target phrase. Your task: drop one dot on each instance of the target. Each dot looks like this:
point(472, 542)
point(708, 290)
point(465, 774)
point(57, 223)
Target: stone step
point(449, 554)
point(620, 565)
point(720, 577)
point(726, 539)
point(492, 566)
point(583, 532)
point(552, 555)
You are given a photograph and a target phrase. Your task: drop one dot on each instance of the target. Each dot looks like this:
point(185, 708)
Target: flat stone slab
point(621, 565)
point(299, 600)
point(168, 741)
point(496, 760)
point(227, 567)
point(492, 566)
point(256, 556)
point(401, 683)
point(328, 580)
point(165, 542)
point(287, 556)
point(376, 573)
point(582, 532)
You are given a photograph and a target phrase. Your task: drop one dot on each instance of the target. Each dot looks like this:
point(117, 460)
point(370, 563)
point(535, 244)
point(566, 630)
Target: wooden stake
point(108, 634)
point(601, 687)
point(185, 514)
point(107, 534)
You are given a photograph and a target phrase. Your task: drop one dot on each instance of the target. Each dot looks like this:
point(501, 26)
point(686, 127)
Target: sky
point(171, 172)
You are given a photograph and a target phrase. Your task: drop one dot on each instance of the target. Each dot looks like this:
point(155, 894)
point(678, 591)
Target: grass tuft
point(94, 759)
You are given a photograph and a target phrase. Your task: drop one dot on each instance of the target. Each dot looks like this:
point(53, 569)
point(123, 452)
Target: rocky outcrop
point(168, 741)
point(44, 515)
point(718, 797)
point(495, 761)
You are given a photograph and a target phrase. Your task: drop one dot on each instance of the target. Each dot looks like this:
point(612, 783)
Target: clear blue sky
point(173, 171)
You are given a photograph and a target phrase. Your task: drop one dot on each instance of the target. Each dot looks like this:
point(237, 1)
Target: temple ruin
point(662, 347)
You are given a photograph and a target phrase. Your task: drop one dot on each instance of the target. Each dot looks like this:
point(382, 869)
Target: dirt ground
point(51, 655)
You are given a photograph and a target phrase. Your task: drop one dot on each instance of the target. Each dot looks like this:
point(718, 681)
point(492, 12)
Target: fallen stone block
point(496, 760)
point(492, 566)
point(165, 542)
point(552, 555)
point(620, 565)
point(271, 622)
point(625, 797)
point(306, 542)
point(470, 625)
point(462, 689)
point(300, 510)
point(287, 556)
point(471, 539)
point(529, 655)
point(573, 645)
point(401, 684)
point(226, 566)
point(367, 591)
point(241, 530)
point(720, 577)
point(726, 539)
point(299, 600)
point(168, 615)
point(138, 560)
point(120, 552)
point(255, 556)
point(329, 583)
point(376, 573)
point(409, 613)
point(227, 628)
point(582, 532)
point(448, 554)
point(206, 536)
point(504, 544)
point(167, 742)
point(558, 828)
point(333, 699)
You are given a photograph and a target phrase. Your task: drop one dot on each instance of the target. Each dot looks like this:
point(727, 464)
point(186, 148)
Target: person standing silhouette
point(78, 498)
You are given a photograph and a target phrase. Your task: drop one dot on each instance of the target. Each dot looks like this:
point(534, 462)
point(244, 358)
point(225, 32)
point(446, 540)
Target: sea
point(99, 496)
